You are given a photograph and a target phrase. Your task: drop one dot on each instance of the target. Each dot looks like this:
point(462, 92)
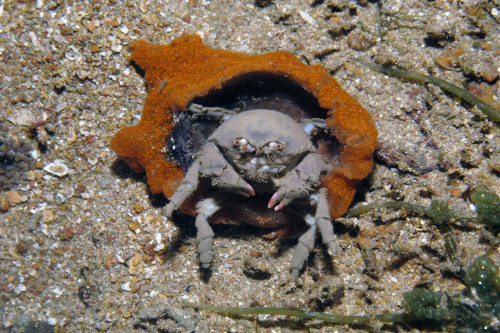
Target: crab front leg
point(210, 164)
point(222, 175)
point(301, 181)
point(322, 221)
point(185, 189)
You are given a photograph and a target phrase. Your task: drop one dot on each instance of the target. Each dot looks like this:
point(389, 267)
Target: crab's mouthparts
point(258, 168)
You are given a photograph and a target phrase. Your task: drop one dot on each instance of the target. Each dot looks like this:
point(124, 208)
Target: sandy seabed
point(90, 250)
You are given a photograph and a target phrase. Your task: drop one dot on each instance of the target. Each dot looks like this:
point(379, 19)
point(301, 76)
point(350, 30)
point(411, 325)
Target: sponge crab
point(265, 152)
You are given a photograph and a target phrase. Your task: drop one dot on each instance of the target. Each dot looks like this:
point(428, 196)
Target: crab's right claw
point(249, 191)
point(222, 175)
point(231, 181)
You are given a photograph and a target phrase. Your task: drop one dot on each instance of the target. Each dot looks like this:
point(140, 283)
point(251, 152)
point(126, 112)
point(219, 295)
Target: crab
point(226, 179)
point(259, 153)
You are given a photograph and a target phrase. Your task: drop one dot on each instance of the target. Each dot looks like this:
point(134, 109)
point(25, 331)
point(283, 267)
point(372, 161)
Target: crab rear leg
point(322, 222)
point(214, 113)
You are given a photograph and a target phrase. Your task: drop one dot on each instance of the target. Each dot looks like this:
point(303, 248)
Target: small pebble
point(110, 263)
point(134, 227)
point(22, 247)
point(135, 264)
point(13, 198)
point(116, 48)
point(32, 223)
point(114, 22)
point(256, 254)
point(256, 269)
point(80, 188)
point(360, 41)
point(92, 25)
point(66, 234)
point(449, 58)
point(124, 29)
point(56, 168)
point(72, 53)
point(138, 208)
point(58, 291)
point(308, 18)
point(4, 204)
point(47, 216)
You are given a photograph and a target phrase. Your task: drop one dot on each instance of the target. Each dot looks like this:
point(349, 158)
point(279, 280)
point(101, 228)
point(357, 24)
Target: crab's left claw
point(300, 182)
point(292, 189)
point(277, 197)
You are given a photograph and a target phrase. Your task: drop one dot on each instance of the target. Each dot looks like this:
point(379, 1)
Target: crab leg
point(304, 246)
point(324, 223)
point(205, 235)
point(215, 113)
point(320, 221)
point(184, 191)
point(211, 164)
point(311, 126)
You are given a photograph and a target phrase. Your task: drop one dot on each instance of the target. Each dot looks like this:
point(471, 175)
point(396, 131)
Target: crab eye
point(274, 146)
point(240, 142)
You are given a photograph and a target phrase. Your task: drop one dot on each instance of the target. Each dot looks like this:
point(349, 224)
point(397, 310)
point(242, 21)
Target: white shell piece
point(56, 168)
point(126, 286)
point(308, 18)
point(309, 128)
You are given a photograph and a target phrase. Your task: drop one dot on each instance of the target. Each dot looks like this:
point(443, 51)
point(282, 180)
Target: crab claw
point(274, 200)
point(250, 191)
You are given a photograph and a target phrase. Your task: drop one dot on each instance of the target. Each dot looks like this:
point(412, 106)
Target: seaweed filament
point(326, 317)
